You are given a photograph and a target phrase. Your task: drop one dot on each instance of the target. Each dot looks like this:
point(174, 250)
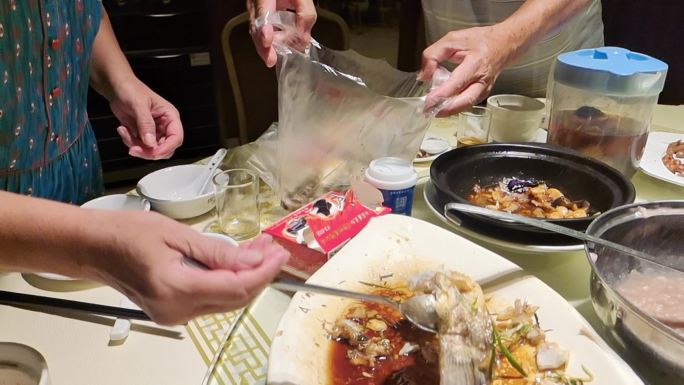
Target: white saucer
point(56, 277)
point(435, 143)
point(652, 163)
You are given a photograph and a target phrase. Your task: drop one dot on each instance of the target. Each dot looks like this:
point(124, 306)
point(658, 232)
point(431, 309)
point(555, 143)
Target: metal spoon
point(506, 217)
point(419, 310)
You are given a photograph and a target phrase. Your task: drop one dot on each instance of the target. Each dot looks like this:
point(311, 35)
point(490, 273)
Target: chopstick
point(20, 299)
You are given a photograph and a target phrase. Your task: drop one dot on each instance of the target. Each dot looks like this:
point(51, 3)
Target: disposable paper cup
point(396, 179)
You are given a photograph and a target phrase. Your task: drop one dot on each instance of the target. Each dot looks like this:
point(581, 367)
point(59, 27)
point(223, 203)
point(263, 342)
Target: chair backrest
point(254, 86)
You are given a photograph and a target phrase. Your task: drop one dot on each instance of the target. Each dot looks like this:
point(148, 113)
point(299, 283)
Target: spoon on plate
point(419, 309)
point(507, 217)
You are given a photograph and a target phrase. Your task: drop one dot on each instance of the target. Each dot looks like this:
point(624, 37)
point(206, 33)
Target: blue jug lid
point(611, 70)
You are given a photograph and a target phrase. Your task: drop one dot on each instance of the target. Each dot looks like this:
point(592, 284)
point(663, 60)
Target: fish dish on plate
point(479, 341)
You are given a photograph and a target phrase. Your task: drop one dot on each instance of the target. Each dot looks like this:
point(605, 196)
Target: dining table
point(78, 349)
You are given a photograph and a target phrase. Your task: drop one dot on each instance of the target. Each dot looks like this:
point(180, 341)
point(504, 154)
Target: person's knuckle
point(453, 35)
point(471, 100)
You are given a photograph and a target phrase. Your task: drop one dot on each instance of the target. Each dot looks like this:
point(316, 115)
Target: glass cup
point(236, 192)
point(473, 126)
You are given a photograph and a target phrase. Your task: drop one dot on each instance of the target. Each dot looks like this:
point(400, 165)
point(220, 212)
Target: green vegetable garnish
point(504, 350)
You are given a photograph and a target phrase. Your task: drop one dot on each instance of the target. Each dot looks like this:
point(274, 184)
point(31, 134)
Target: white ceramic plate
point(520, 247)
point(652, 163)
point(118, 202)
point(432, 140)
point(56, 277)
point(398, 247)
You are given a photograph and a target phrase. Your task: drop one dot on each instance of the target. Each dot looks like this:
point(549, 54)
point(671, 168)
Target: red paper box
point(313, 233)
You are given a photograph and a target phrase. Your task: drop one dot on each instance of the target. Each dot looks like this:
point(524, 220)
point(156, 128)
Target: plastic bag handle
point(286, 39)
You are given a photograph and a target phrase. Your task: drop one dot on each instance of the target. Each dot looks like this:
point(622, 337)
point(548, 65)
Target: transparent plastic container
point(601, 102)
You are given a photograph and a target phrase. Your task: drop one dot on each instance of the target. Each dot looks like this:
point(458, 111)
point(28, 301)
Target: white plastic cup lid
point(391, 174)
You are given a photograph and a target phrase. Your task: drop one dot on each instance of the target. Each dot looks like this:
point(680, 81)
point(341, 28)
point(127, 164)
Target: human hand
point(481, 54)
point(150, 125)
point(305, 11)
point(142, 256)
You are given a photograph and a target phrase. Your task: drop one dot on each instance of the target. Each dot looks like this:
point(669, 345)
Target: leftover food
point(674, 158)
point(529, 197)
point(479, 341)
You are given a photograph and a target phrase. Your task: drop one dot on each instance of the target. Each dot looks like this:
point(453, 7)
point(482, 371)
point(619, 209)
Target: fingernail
point(249, 257)
point(149, 139)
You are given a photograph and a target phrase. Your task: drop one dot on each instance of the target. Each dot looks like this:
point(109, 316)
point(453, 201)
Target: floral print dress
point(47, 147)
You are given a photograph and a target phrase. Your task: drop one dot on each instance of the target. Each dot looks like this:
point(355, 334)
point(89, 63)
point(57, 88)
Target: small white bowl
point(159, 188)
point(118, 202)
point(21, 364)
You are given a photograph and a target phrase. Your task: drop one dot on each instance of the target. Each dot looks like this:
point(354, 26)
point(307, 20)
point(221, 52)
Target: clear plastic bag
point(337, 111)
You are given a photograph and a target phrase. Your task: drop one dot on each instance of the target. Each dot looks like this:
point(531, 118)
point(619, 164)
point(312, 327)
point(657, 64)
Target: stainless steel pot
point(658, 229)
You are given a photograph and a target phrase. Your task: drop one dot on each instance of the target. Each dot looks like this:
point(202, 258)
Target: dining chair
point(254, 86)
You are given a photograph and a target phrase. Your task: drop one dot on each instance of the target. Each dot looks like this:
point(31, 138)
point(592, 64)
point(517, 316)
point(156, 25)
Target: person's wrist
point(507, 41)
point(98, 243)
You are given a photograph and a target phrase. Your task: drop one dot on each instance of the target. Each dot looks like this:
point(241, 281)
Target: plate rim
point(56, 277)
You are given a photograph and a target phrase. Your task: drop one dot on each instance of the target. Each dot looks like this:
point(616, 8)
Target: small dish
point(56, 277)
point(434, 146)
point(118, 202)
point(652, 160)
point(22, 365)
point(160, 187)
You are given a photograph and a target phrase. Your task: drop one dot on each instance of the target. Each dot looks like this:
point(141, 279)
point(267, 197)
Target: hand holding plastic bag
point(337, 111)
point(305, 17)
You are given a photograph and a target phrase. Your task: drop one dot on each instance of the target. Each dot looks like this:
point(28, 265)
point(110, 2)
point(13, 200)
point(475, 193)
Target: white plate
point(437, 139)
point(56, 277)
point(403, 246)
point(520, 247)
point(652, 163)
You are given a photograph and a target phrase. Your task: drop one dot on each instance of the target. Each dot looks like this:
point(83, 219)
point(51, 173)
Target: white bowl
point(161, 186)
point(22, 365)
point(118, 202)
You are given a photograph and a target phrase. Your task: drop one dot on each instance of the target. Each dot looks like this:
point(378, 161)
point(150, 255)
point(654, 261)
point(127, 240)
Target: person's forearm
point(534, 19)
point(109, 66)
point(41, 235)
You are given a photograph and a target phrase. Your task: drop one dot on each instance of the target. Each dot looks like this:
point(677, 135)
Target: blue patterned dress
point(47, 147)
